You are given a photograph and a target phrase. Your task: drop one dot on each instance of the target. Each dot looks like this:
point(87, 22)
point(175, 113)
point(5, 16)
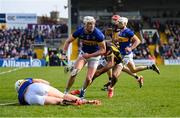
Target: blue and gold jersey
point(89, 41)
point(22, 90)
point(124, 39)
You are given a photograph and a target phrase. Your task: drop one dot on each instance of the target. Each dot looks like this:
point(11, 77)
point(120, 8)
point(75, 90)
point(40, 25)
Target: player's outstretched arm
point(67, 43)
point(136, 41)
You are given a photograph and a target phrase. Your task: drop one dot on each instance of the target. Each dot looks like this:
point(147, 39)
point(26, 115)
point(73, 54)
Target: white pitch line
point(11, 103)
point(9, 71)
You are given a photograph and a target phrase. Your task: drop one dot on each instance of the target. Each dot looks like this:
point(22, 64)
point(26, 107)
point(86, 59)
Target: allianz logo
point(11, 18)
point(24, 63)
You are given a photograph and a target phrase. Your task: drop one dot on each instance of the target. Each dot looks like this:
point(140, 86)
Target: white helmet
point(123, 20)
point(88, 19)
point(18, 84)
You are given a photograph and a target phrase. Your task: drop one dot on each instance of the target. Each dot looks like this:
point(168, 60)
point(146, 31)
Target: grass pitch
point(159, 97)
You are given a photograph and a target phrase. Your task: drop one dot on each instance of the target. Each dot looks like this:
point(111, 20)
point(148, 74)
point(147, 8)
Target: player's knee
point(89, 78)
point(110, 65)
point(96, 74)
point(114, 75)
point(74, 72)
point(133, 70)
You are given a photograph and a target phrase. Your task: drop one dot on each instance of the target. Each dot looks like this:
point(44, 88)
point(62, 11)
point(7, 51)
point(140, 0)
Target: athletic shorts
point(128, 58)
point(35, 93)
point(102, 61)
point(93, 62)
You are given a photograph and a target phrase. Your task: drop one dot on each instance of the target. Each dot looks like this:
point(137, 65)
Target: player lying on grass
point(39, 92)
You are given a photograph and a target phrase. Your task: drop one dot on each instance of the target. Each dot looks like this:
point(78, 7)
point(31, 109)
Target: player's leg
point(53, 92)
point(36, 99)
point(135, 69)
point(128, 59)
point(139, 79)
point(97, 73)
point(109, 73)
point(115, 74)
point(131, 70)
point(74, 100)
point(101, 70)
point(92, 67)
point(127, 70)
point(87, 81)
point(59, 101)
point(78, 66)
point(63, 99)
point(38, 93)
point(50, 100)
point(107, 67)
point(57, 97)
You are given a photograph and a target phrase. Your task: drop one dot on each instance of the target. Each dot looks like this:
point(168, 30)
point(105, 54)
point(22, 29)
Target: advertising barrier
point(172, 62)
point(21, 63)
point(144, 62)
point(43, 26)
point(21, 18)
point(2, 18)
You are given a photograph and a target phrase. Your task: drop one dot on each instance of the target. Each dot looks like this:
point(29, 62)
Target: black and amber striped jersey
point(112, 50)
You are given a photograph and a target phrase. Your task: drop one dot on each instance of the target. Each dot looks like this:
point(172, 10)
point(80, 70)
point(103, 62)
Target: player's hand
point(128, 49)
point(63, 56)
point(86, 56)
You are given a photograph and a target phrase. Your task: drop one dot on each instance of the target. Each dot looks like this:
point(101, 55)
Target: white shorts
point(35, 93)
point(128, 58)
point(93, 62)
point(102, 61)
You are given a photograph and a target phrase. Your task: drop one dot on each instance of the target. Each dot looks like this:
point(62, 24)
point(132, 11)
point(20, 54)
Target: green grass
point(159, 97)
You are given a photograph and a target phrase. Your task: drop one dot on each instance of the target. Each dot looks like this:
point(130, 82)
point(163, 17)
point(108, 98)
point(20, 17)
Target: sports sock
point(108, 83)
point(66, 91)
point(136, 77)
point(149, 67)
point(82, 89)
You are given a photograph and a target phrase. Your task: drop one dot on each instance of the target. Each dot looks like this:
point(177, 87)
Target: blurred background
point(38, 33)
